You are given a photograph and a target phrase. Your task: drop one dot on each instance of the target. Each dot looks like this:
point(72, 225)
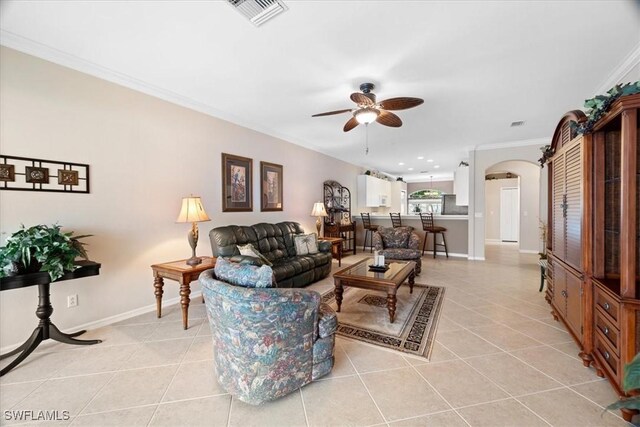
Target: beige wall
point(145, 155)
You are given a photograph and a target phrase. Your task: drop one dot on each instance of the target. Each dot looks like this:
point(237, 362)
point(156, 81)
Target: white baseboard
point(476, 258)
point(528, 251)
point(113, 319)
point(451, 254)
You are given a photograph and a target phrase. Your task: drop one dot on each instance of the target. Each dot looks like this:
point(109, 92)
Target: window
point(426, 201)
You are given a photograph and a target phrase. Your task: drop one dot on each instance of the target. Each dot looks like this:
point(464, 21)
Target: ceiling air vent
point(258, 11)
point(518, 123)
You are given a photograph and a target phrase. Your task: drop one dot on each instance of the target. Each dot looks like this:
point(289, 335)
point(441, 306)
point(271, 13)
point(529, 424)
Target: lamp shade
point(318, 209)
point(366, 115)
point(192, 210)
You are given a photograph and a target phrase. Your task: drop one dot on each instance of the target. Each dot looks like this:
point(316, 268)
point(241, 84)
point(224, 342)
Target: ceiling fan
point(368, 110)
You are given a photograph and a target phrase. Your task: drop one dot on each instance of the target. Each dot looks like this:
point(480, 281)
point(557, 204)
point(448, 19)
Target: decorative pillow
point(248, 276)
point(249, 250)
point(306, 244)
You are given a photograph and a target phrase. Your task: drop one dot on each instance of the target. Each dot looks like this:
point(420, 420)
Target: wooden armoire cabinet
point(569, 172)
point(594, 236)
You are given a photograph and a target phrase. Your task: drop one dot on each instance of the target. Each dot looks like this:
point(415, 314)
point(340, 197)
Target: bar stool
point(395, 220)
point(429, 227)
point(369, 229)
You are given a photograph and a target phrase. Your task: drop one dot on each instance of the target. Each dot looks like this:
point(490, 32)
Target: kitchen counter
point(457, 233)
point(417, 217)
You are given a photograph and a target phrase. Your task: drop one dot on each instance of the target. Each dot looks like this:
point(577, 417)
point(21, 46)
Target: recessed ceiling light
point(410, 169)
point(430, 160)
point(400, 164)
point(420, 157)
point(436, 166)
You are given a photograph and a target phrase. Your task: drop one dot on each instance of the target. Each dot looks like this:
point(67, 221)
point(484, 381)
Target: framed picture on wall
point(236, 183)
point(270, 187)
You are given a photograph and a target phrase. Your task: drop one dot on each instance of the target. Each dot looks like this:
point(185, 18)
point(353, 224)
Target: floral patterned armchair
point(399, 243)
point(267, 342)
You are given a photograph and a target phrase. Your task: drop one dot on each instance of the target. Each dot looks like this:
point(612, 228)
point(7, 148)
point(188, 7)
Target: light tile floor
point(499, 360)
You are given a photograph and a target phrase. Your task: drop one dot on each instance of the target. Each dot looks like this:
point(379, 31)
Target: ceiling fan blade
point(330, 113)
point(361, 99)
point(350, 124)
point(401, 103)
point(389, 119)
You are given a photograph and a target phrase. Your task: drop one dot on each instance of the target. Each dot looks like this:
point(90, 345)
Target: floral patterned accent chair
point(399, 243)
point(267, 342)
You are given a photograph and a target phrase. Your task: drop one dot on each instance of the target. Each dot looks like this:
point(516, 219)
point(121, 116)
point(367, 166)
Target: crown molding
point(48, 53)
point(511, 144)
point(627, 64)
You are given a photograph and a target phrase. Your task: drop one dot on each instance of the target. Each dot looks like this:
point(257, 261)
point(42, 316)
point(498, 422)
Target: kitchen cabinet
point(373, 192)
point(398, 197)
point(461, 185)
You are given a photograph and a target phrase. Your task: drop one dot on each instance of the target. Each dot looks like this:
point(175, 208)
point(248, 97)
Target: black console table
point(45, 328)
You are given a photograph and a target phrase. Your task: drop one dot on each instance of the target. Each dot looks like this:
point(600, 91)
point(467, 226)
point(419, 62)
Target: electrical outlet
point(72, 300)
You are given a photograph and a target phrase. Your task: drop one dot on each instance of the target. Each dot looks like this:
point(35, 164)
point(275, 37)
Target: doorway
point(509, 214)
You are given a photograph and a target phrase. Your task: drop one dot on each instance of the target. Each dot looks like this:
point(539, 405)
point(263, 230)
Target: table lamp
point(193, 212)
point(318, 211)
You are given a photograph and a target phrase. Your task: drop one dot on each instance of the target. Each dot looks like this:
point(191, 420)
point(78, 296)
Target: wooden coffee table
point(359, 276)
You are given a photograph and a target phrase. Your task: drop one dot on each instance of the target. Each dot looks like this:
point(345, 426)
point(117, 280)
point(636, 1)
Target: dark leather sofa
point(275, 242)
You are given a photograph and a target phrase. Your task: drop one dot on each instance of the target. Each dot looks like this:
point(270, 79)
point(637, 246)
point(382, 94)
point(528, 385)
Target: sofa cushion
point(409, 254)
point(306, 244)
point(270, 241)
point(249, 250)
point(248, 276)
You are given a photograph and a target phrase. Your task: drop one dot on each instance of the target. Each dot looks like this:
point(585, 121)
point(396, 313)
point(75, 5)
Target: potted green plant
point(41, 248)
point(543, 236)
point(630, 382)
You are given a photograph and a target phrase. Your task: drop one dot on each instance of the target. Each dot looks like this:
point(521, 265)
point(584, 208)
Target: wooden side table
point(336, 247)
point(183, 274)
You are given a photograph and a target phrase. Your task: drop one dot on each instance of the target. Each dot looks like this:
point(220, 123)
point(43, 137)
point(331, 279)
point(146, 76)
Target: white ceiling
point(478, 65)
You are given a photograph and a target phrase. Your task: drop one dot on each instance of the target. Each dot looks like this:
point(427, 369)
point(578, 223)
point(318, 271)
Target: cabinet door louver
point(557, 243)
point(573, 200)
point(566, 134)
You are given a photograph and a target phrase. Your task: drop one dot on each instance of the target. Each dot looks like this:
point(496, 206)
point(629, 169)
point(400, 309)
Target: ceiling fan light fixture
point(366, 115)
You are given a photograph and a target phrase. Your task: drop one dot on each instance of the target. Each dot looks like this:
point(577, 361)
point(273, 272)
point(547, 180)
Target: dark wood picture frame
point(7, 173)
point(237, 183)
point(37, 175)
point(67, 177)
point(271, 184)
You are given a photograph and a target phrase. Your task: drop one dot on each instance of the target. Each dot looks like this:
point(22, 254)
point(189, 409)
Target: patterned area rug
point(364, 317)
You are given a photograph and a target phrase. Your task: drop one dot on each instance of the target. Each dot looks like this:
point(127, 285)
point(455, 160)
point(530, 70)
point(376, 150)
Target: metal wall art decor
point(270, 187)
point(27, 174)
point(237, 182)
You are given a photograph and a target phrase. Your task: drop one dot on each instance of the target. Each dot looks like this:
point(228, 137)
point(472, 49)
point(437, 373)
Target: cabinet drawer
point(607, 304)
point(607, 355)
point(608, 332)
